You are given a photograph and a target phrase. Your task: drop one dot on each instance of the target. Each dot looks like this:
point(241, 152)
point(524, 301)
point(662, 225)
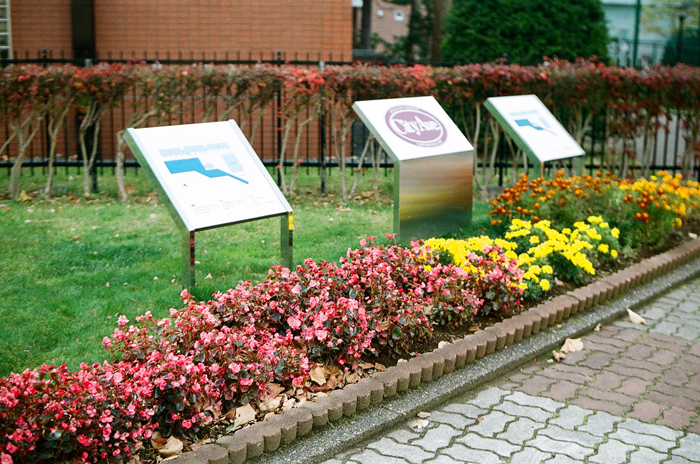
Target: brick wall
point(201, 30)
point(41, 24)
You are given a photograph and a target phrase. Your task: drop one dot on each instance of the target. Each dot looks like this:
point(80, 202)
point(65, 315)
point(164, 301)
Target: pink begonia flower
point(11, 448)
point(297, 381)
point(5, 458)
point(294, 322)
point(246, 382)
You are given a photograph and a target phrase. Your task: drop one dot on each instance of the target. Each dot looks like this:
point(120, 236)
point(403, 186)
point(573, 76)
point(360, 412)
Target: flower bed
point(276, 344)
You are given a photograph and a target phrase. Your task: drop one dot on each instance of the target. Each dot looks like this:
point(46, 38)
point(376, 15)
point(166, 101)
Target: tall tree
point(523, 31)
point(440, 11)
point(366, 31)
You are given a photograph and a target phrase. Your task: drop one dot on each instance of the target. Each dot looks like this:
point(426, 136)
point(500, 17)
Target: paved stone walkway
point(631, 396)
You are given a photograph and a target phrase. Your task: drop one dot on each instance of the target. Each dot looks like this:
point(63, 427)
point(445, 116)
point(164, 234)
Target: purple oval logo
point(416, 126)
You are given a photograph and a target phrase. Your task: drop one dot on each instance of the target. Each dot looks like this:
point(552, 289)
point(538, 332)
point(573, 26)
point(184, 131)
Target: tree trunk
point(366, 31)
point(440, 10)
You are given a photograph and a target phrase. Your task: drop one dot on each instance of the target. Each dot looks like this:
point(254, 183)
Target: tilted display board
point(433, 164)
point(534, 128)
point(209, 176)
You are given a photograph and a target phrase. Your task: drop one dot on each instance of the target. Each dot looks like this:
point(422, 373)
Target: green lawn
point(70, 267)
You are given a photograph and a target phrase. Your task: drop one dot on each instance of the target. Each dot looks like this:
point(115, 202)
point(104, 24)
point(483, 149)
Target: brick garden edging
point(283, 429)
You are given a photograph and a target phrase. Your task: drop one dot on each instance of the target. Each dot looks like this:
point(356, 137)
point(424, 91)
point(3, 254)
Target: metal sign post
point(433, 164)
point(209, 176)
point(536, 131)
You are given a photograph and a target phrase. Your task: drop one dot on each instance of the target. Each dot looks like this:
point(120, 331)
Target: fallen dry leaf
point(273, 389)
point(172, 448)
point(244, 415)
point(480, 418)
point(366, 365)
point(423, 415)
point(572, 345)
point(380, 367)
point(209, 276)
point(352, 378)
point(319, 388)
point(288, 404)
point(420, 424)
point(635, 318)
point(231, 414)
point(271, 404)
point(332, 382)
point(558, 356)
point(23, 197)
point(598, 327)
point(318, 375)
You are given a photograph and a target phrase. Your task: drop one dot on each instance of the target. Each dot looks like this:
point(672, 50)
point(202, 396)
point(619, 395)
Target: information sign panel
point(433, 164)
point(209, 176)
point(533, 128)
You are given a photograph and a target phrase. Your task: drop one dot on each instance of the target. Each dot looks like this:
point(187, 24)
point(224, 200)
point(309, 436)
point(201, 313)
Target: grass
point(71, 266)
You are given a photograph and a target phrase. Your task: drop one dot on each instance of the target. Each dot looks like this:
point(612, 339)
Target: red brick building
point(177, 29)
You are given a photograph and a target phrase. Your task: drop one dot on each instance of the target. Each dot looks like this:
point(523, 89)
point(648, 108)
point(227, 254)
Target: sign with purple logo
point(409, 128)
point(416, 126)
point(433, 164)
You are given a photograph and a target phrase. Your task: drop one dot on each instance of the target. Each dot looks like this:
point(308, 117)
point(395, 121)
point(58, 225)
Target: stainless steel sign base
point(433, 164)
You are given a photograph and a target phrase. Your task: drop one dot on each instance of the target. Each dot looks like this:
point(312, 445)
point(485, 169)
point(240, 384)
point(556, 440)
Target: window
point(5, 36)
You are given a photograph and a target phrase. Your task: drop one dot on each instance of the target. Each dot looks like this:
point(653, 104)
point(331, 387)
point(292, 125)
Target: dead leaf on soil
point(273, 389)
point(420, 424)
point(318, 375)
point(558, 356)
point(352, 378)
point(319, 388)
point(366, 365)
point(244, 415)
point(423, 415)
point(231, 414)
point(271, 404)
point(635, 318)
point(598, 327)
point(572, 345)
point(288, 404)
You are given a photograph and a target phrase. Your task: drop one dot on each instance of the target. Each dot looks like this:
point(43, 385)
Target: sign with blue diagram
point(209, 172)
point(533, 127)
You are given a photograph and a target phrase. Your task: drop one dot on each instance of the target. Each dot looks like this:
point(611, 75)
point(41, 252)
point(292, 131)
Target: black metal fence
point(666, 146)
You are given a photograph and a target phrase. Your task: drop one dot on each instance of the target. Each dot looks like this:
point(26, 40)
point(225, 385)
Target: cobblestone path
point(631, 396)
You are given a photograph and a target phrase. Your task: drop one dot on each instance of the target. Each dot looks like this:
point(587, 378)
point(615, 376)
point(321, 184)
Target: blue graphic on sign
point(193, 163)
point(528, 123)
